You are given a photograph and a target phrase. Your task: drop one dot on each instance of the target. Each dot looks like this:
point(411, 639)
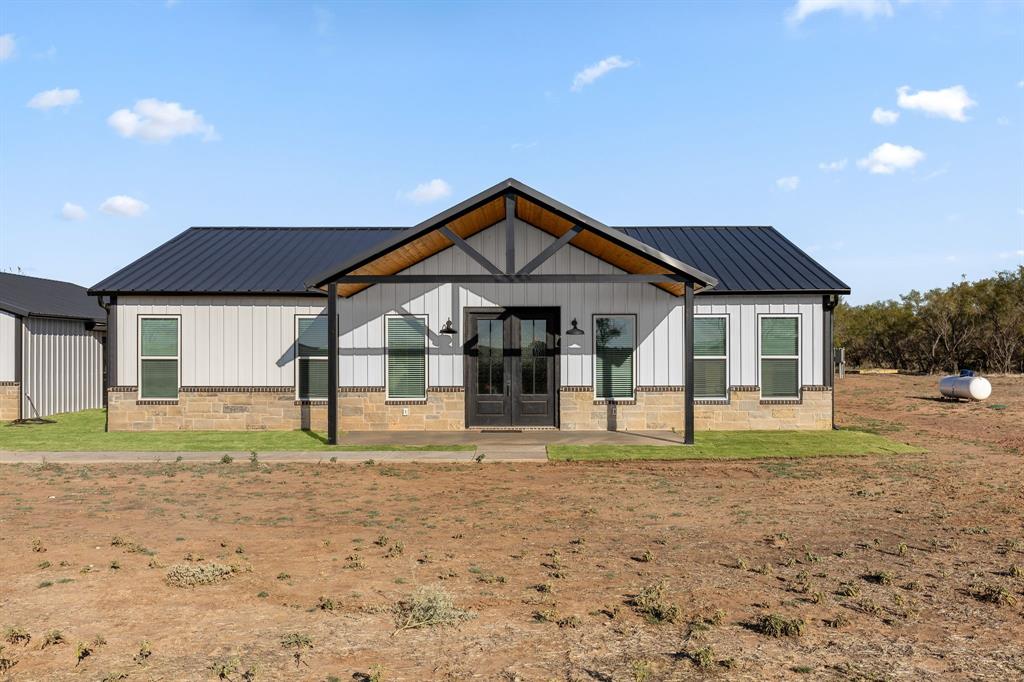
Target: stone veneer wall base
point(10, 401)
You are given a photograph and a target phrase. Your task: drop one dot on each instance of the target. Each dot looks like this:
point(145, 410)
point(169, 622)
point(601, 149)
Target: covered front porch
point(501, 209)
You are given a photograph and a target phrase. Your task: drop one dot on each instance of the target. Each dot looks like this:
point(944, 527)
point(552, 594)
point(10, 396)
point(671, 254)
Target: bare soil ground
point(899, 567)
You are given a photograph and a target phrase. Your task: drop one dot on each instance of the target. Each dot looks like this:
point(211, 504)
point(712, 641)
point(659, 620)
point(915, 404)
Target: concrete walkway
point(520, 454)
point(495, 446)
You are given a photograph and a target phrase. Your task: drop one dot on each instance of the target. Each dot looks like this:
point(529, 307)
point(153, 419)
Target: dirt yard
point(892, 567)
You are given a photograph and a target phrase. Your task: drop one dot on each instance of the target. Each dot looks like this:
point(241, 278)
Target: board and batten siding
point(8, 329)
point(62, 367)
point(249, 340)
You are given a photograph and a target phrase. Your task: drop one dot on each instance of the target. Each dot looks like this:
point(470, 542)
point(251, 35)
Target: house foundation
point(10, 401)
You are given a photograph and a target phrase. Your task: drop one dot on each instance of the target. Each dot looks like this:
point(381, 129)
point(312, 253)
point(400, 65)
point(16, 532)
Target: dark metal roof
point(279, 260)
point(37, 297)
point(748, 259)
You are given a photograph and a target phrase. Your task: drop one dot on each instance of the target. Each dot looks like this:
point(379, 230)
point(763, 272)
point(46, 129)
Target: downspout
point(829, 303)
point(106, 360)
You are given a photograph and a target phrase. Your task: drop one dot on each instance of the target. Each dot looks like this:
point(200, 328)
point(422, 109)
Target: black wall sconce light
point(575, 329)
point(447, 328)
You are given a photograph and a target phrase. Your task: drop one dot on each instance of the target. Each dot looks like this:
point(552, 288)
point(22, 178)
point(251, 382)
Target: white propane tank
point(969, 388)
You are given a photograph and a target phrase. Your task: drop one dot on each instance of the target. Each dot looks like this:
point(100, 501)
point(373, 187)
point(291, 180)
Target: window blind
point(407, 357)
point(613, 360)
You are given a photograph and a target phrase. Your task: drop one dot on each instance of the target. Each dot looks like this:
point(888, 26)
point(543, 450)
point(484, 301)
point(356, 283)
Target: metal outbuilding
point(52, 337)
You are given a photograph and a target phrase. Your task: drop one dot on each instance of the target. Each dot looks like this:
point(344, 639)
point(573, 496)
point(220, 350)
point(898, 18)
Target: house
point(51, 348)
point(509, 310)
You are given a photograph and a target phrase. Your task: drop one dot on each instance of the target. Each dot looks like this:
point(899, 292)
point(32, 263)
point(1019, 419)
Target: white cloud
point(595, 71)
point(124, 206)
point(155, 120)
point(428, 191)
point(887, 158)
point(947, 103)
point(867, 9)
point(1019, 253)
point(788, 183)
point(6, 46)
point(72, 212)
point(832, 166)
point(48, 99)
point(884, 117)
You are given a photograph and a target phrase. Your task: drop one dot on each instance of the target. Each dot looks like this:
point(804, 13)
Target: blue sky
point(200, 113)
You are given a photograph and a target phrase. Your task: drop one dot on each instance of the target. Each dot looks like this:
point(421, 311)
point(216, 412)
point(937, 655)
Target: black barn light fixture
point(575, 330)
point(447, 328)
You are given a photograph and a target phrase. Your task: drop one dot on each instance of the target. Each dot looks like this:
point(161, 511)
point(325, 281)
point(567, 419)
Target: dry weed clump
point(777, 626)
point(130, 546)
point(650, 603)
point(994, 594)
point(193, 575)
point(427, 607)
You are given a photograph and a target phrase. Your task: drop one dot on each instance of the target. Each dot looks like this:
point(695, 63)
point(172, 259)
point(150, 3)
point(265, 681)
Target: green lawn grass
point(83, 432)
point(742, 445)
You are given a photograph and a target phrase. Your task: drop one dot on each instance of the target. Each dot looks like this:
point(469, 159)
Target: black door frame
point(469, 333)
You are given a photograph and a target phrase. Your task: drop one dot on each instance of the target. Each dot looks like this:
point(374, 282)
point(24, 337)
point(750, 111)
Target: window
point(614, 341)
point(159, 358)
point(710, 357)
point(311, 357)
point(406, 337)
point(780, 357)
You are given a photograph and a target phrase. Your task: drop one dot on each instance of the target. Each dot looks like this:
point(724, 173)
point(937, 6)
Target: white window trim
point(426, 356)
point(141, 357)
point(593, 362)
point(299, 359)
point(696, 359)
point(760, 357)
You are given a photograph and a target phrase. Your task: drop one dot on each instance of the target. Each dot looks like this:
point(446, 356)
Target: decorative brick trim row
point(446, 389)
point(360, 389)
point(798, 401)
point(311, 402)
point(614, 401)
point(745, 389)
point(10, 383)
point(122, 389)
point(577, 389)
point(237, 389)
point(156, 402)
point(823, 389)
point(660, 389)
point(711, 401)
point(406, 402)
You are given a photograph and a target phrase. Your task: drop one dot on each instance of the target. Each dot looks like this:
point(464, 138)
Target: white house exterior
point(574, 331)
point(51, 348)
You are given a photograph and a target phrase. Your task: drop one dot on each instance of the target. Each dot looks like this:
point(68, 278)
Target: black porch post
point(688, 361)
point(332, 363)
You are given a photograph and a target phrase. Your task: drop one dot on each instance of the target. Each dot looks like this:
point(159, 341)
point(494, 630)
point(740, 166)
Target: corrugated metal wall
point(8, 325)
point(248, 341)
point(62, 367)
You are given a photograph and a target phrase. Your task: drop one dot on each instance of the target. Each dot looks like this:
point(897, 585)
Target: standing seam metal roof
point(38, 297)
point(278, 260)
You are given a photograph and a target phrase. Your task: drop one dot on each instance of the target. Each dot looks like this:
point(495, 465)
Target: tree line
point(968, 325)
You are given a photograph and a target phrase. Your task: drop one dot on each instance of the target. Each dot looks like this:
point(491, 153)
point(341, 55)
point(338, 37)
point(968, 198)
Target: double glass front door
point(510, 366)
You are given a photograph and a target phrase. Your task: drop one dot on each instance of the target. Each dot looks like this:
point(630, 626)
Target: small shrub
point(1015, 571)
point(115, 565)
point(45, 583)
point(879, 578)
point(325, 604)
point(299, 642)
point(396, 549)
point(545, 616)
point(703, 658)
point(193, 575)
point(6, 662)
point(777, 626)
point(840, 621)
point(83, 651)
point(283, 576)
point(17, 635)
point(994, 594)
point(428, 607)
point(641, 670)
point(130, 546)
point(848, 590)
point(227, 459)
point(263, 594)
point(543, 588)
point(37, 545)
point(569, 622)
point(224, 668)
point(646, 557)
point(354, 561)
point(651, 604)
point(114, 677)
point(43, 565)
point(52, 638)
point(144, 652)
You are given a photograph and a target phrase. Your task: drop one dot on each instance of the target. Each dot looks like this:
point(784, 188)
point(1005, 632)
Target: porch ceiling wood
point(425, 246)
